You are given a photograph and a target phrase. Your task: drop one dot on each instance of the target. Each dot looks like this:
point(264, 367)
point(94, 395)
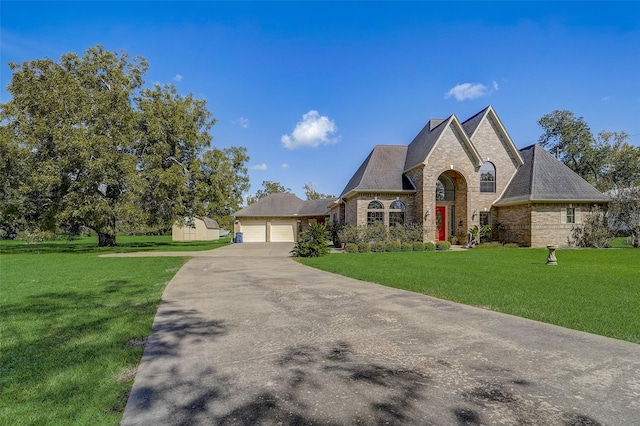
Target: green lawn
point(125, 244)
point(597, 291)
point(73, 324)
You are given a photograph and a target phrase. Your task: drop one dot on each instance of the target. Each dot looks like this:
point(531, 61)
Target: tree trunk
point(106, 240)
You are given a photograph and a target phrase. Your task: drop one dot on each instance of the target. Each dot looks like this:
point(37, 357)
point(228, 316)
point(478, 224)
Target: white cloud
point(467, 91)
point(606, 98)
point(313, 130)
point(261, 166)
point(242, 122)
point(178, 77)
point(495, 85)
point(284, 166)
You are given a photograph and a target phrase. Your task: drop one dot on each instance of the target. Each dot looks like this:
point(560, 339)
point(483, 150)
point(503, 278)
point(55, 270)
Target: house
point(279, 217)
point(198, 229)
point(455, 175)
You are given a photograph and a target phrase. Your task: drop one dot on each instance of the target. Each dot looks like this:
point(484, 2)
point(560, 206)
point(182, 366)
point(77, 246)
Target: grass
point(126, 244)
point(74, 325)
point(597, 291)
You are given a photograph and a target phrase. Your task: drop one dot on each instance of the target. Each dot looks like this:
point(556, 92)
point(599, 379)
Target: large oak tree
point(84, 144)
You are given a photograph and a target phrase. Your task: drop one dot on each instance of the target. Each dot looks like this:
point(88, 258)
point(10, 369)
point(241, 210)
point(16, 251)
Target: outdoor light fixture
point(427, 213)
point(475, 213)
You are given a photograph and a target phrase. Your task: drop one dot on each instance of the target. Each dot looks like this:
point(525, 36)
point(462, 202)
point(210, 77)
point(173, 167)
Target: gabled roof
point(543, 177)
point(382, 170)
point(422, 145)
point(471, 125)
point(284, 204)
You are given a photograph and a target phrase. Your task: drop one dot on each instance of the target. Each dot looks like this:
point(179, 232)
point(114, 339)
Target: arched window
point(488, 177)
point(396, 213)
point(445, 189)
point(375, 213)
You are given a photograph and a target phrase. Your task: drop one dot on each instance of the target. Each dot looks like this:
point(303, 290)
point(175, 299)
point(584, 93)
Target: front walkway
point(245, 335)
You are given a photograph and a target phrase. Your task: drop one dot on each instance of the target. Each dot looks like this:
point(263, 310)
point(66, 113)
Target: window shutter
point(563, 215)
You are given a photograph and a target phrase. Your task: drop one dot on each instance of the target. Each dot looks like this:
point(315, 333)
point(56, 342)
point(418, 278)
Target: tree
point(87, 146)
point(76, 118)
point(222, 180)
point(624, 212)
point(571, 140)
point(173, 135)
point(621, 161)
point(268, 187)
point(606, 160)
point(312, 194)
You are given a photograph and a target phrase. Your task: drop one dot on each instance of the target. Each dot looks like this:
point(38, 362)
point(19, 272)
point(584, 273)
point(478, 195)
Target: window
point(375, 213)
point(571, 215)
point(488, 177)
point(445, 190)
point(396, 213)
point(485, 218)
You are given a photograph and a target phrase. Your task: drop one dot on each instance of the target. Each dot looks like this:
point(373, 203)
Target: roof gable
point(472, 124)
point(543, 177)
point(382, 170)
point(461, 135)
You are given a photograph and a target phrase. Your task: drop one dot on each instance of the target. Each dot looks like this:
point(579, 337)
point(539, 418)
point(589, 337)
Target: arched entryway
point(451, 205)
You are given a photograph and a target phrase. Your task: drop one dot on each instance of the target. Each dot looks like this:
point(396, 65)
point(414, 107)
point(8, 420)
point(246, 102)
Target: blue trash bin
point(238, 237)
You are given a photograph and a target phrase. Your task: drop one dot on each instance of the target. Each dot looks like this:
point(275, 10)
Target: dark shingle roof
point(422, 144)
point(316, 207)
point(382, 170)
point(543, 177)
point(471, 124)
point(281, 204)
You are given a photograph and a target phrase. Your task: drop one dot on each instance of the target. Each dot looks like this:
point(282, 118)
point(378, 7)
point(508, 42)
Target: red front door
point(441, 220)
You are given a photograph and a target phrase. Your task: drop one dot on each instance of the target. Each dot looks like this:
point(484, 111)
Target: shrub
point(393, 246)
point(593, 232)
point(511, 245)
point(443, 245)
point(364, 247)
point(493, 245)
point(376, 233)
point(35, 236)
point(351, 248)
point(378, 247)
point(414, 233)
point(429, 246)
point(418, 246)
point(312, 242)
point(349, 234)
point(406, 247)
point(335, 233)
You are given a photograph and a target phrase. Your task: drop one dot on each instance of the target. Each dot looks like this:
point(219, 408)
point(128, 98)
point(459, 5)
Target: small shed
point(198, 229)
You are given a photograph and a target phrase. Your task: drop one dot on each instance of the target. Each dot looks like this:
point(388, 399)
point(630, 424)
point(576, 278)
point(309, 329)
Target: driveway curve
point(245, 335)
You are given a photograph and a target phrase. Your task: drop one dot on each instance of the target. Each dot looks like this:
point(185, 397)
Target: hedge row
point(395, 246)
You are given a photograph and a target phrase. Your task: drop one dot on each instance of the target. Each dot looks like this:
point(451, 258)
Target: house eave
point(550, 201)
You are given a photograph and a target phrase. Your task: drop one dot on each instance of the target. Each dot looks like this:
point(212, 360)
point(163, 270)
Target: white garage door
point(254, 231)
point(282, 232)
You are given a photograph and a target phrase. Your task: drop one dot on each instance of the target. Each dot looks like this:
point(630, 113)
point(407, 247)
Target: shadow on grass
point(125, 247)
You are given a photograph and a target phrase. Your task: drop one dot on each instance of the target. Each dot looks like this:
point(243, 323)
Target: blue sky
point(311, 87)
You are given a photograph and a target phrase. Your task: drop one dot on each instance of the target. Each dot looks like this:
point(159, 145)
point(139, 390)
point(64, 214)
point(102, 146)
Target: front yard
point(597, 291)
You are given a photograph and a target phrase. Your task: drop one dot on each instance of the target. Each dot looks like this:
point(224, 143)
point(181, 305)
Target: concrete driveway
point(245, 335)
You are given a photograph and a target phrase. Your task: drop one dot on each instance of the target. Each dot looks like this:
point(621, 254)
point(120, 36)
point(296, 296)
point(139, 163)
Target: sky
point(309, 88)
